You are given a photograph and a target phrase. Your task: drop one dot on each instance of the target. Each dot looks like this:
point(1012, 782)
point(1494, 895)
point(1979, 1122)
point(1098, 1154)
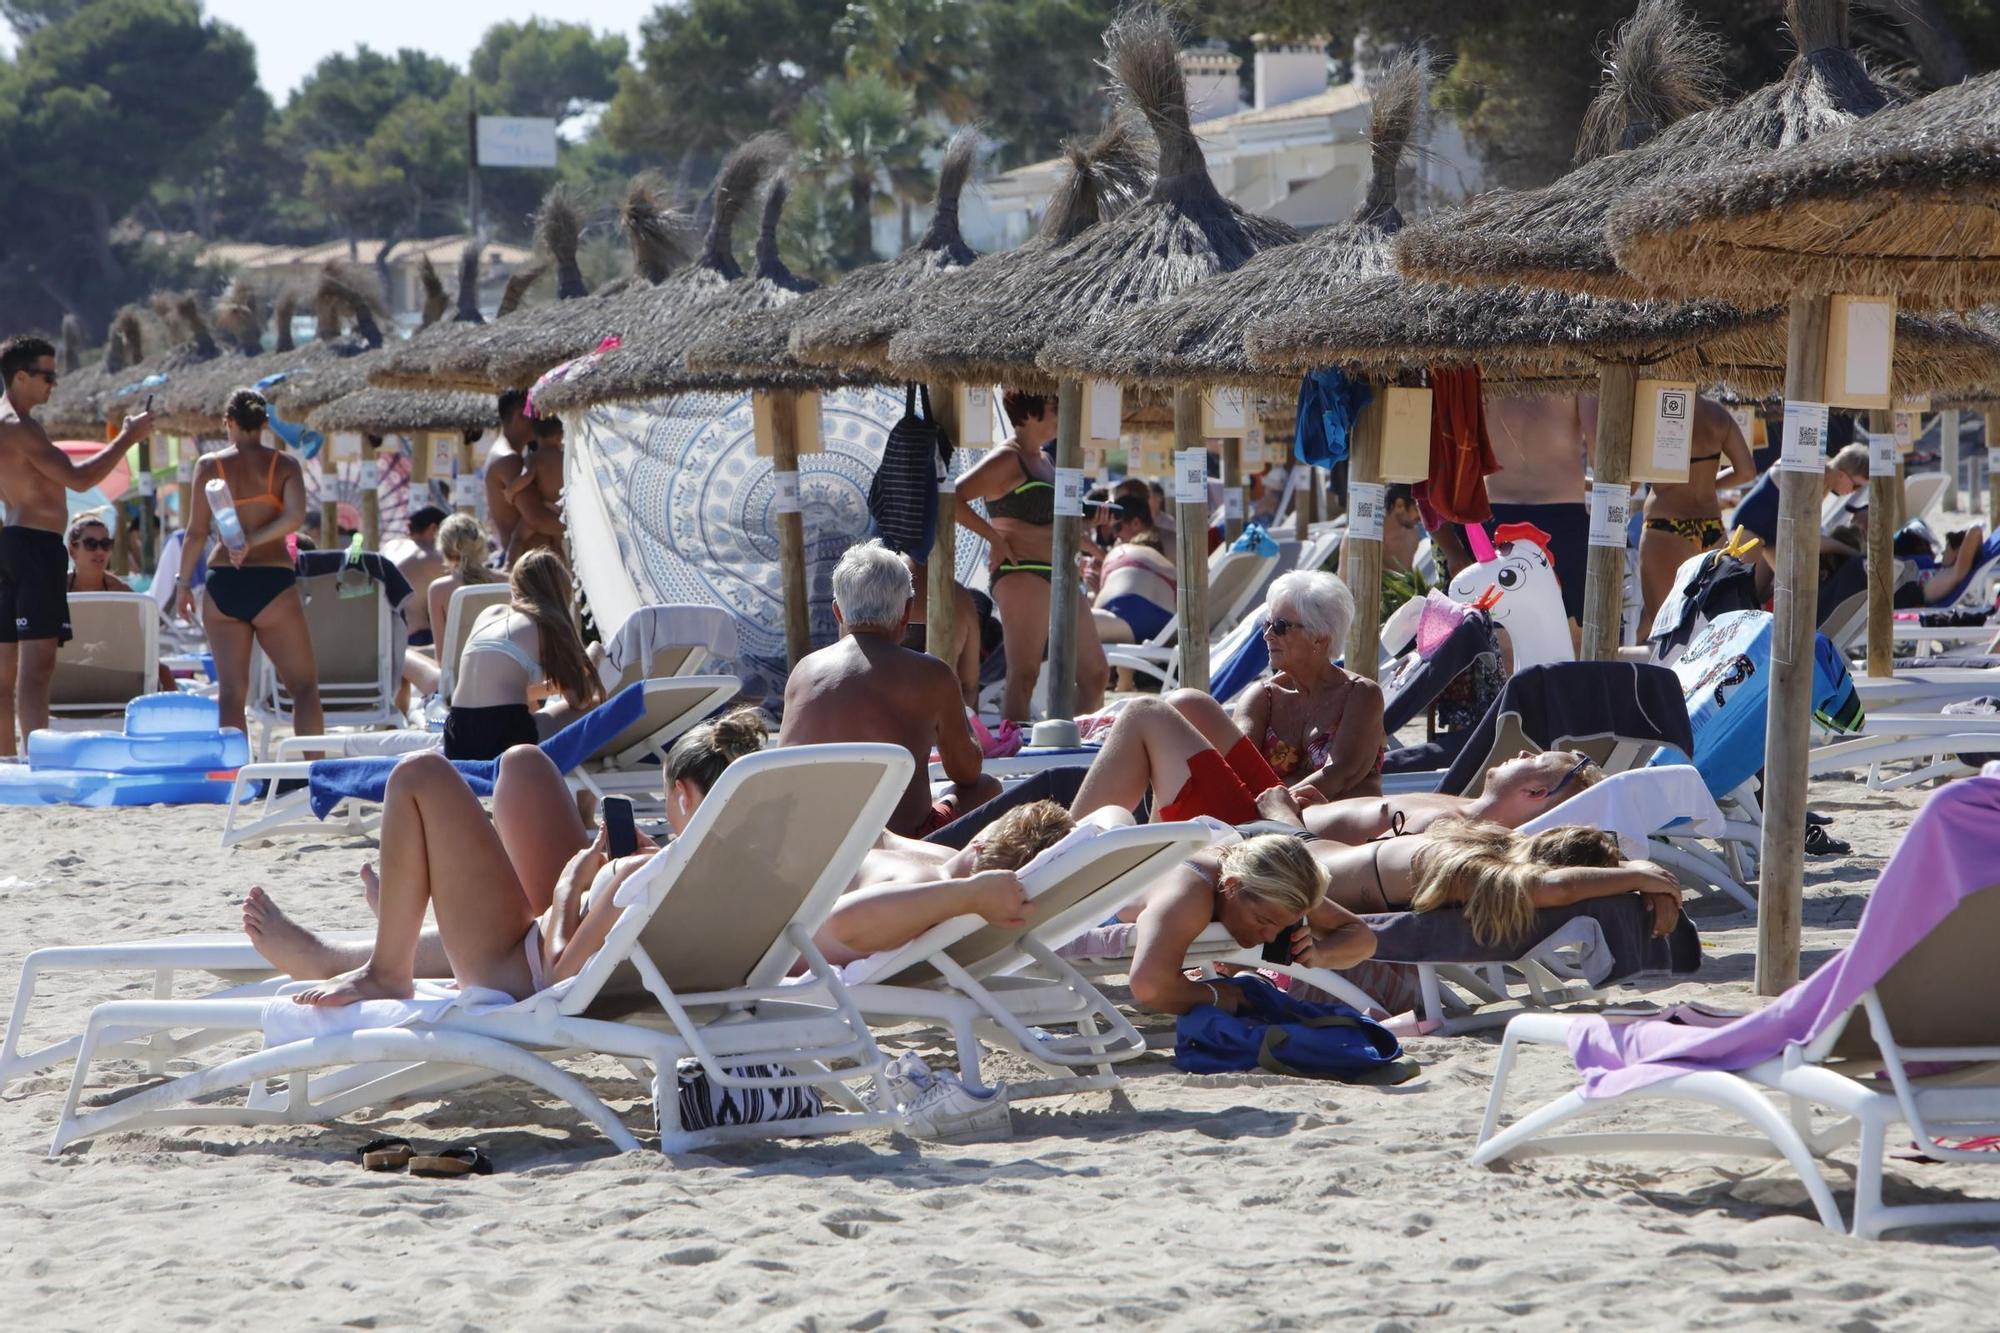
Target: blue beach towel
point(1281, 1035)
point(337, 780)
point(1330, 402)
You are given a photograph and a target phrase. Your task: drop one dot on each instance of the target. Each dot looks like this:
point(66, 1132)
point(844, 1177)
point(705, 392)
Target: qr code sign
point(1805, 437)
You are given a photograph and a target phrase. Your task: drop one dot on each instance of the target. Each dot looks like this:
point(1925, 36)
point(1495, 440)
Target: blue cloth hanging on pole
point(1330, 402)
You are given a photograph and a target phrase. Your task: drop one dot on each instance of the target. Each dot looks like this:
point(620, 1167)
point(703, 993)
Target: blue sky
point(291, 38)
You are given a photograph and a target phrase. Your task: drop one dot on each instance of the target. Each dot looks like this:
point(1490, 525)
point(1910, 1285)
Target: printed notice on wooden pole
point(1191, 476)
point(1364, 509)
point(1803, 447)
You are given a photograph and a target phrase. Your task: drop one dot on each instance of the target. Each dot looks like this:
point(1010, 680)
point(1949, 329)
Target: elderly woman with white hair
point(1318, 726)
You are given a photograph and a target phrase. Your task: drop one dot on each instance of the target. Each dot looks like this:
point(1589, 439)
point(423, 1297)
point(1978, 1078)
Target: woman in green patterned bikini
point(1685, 518)
point(1017, 482)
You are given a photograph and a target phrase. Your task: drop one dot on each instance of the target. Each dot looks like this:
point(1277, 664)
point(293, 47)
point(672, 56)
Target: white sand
point(1240, 1202)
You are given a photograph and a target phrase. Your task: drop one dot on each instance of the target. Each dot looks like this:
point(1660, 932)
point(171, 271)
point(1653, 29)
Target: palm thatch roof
point(836, 328)
point(646, 310)
point(1905, 201)
point(1197, 337)
point(454, 355)
point(372, 411)
point(654, 362)
point(76, 407)
point(328, 368)
point(1107, 174)
point(1182, 232)
point(1555, 236)
point(193, 346)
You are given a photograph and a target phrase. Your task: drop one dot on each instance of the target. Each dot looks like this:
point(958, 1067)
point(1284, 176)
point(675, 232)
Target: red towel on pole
point(1461, 454)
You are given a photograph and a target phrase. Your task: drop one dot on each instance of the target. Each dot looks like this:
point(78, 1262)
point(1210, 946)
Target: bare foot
point(354, 987)
point(371, 889)
point(285, 944)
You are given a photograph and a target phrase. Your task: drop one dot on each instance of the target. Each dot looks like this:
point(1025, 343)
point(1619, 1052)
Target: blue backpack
point(1282, 1035)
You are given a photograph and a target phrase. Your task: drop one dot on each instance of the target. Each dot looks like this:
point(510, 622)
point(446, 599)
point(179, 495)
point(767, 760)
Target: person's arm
point(59, 467)
point(958, 748)
point(1177, 913)
point(199, 523)
point(1735, 449)
point(291, 517)
point(1355, 746)
point(1563, 886)
point(1940, 586)
point(1253, 713)
point(989, 479)
point(577, 935)
point(1340, 939)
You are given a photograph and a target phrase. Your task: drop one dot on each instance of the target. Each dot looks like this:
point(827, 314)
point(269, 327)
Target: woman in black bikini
point(1684, 518)
point(1017, 482)
point(252, 595)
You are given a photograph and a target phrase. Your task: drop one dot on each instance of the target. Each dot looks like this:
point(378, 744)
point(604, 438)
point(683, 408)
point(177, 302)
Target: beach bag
point(706, 1106)
point(1282, 1035)
point(1984, 706)
point(1255, 540)
point(1330, 403)
point(903, 497)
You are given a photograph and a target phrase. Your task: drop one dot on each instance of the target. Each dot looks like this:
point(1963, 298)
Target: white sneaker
point(949, 1112)
point(904, 1079)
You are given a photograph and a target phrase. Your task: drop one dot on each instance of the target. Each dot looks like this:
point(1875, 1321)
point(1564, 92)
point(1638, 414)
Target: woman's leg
point(439, 852)
point(965, 622)
point(537, 822)
point(1110, 629)
point(285, 638)
point(1660, 554)
point(1023, 600)
point(1093, 672)
point(1206, 716)
point(229, 640)
point(1149, 746)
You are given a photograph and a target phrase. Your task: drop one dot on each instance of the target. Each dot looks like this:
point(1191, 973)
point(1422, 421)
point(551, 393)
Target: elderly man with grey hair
point(868, 687)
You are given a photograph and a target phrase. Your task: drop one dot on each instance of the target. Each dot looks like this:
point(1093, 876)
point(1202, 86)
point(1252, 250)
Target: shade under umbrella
point(1555, 236)
point(1905, 201)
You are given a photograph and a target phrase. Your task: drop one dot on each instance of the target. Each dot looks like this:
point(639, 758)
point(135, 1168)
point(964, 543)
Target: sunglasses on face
point(49, 377)
point(94, 543)
point(1280, 627)
point(1553, 791)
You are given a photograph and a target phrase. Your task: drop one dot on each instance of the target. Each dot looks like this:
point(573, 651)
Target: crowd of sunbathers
point(521, 897)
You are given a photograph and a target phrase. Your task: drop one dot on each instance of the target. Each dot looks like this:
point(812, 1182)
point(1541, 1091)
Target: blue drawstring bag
point(1330, 402)
point(1281, 1035)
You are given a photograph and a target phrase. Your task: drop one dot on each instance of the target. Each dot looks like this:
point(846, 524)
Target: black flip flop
point(1815, 817)
point(452, 1162)
point(1821, 843)
point(390, 1154)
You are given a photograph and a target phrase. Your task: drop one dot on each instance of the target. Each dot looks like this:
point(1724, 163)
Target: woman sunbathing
point(1516, 791)
point(1497, 876)
point(1318, 726)
point(1260, 889)
point(522, 900)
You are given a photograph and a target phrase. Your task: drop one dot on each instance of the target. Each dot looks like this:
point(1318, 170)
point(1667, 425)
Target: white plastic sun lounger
point(1007, 983)
point(680, 975)
point(1935, 1005)
point(112, 658)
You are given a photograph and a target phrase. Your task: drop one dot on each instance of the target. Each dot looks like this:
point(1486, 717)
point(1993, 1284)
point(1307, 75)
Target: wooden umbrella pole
point(1604, 583)
point(1948, 454)
point(1364, 537)
point(941, 591)
point(1305, 495)
point(329, 497)
point(1233, 503)
point(1191, 545)
point(1882, 526)
point(371, 494)
point(1992, 419)
point(1788, 723)
point(791, 525)
point(1064, 586)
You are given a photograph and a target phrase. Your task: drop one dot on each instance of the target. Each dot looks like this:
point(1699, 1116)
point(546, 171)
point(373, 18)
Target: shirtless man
point(503, 466)
point(422, 566)
point(537, 493)
point(1543, 446)
point(868, 687)
point(1402, 532)
point(1684, 518)
point(34, 562)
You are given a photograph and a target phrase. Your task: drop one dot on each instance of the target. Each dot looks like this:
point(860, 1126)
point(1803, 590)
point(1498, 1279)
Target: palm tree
point(859, 134)
point(926, 46)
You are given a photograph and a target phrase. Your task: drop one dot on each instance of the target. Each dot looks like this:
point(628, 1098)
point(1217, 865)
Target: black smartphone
point(1280, 949)
point(621, 836)
point(149, 404)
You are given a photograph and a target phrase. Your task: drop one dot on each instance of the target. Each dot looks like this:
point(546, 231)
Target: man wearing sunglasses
point(34, 561)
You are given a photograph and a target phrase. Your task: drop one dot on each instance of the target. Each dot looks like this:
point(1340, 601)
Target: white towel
point(1639, 803)
point(287, 1021)
point(652, 629)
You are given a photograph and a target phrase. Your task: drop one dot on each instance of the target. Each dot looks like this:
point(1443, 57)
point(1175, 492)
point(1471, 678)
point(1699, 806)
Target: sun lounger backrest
point(777, 838)
point(1940, 993)
point(1232, 584)
point(668, 703)
point(113, 654)
point(347, 633)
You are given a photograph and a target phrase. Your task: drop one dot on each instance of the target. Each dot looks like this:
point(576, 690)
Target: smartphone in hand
point(1280, 949)
point(621, 835)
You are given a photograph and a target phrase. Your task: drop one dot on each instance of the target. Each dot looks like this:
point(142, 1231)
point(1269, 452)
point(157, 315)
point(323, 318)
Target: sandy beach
point(1234, 1201)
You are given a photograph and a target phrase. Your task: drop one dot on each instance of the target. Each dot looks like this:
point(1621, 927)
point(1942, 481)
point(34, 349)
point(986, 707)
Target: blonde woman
point(1261, 890)
point(461, 543)
point(1498, 877)
point(517, 656)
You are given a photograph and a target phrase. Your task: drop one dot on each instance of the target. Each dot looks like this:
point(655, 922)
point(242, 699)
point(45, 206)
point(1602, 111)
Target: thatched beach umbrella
point(75, 407)
point(1557, 235)
point(1905, 201)
point(1184, 231)
point(643, 310)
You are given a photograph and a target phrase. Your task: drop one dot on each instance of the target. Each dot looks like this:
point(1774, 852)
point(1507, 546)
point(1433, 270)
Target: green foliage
point(859, 134)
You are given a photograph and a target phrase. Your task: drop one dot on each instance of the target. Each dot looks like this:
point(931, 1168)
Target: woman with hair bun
point(252, 595)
